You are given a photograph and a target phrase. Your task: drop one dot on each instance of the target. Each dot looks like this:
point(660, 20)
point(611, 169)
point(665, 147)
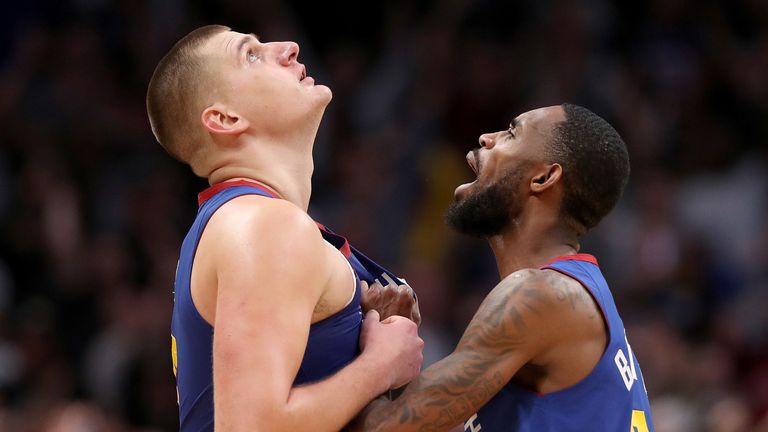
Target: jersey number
point(639, 424)
point(174, 357)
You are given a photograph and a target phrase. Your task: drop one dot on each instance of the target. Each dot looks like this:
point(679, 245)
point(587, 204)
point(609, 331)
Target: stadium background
point(93, 212)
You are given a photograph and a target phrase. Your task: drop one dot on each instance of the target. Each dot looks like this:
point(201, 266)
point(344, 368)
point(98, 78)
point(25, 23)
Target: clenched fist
point(391, 299)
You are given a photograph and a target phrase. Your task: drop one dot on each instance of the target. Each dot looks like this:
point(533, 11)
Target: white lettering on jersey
point(626, 365)
point(470, 425)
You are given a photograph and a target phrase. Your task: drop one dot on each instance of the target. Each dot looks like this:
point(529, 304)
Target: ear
point(217, 119)
point(547, 177)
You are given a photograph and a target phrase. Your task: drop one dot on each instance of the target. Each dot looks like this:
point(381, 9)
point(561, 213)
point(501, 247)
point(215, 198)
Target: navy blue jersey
point(612, 398)
point(332, 342)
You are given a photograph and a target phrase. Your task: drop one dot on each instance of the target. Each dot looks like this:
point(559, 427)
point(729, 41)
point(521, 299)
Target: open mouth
point(473, 161)
point(303, 73)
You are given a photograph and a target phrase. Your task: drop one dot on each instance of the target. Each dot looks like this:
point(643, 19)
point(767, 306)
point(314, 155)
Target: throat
point(515, 253)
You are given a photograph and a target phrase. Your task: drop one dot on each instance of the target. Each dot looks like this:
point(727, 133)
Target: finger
point(416, 317)
point(372, 315)
point(401, 297)
point(408, 296)
point(364, 290)
point(402, 284)
point(365, 296)
point(393, 318)
point(370, 292)
point(411, 293)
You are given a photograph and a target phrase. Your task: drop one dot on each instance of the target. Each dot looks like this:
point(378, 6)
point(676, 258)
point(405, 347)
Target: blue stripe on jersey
point(612, 398)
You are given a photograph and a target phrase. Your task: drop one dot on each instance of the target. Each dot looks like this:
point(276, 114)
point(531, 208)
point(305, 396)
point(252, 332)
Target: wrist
point(375, 367)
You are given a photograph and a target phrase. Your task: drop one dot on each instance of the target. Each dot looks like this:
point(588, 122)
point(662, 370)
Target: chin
point(463, 191)
point(323, 93)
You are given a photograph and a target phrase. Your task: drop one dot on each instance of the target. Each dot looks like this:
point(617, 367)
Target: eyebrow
point(514, 123)
point(245, 40)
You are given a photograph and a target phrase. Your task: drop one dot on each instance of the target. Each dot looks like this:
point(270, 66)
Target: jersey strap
point(367, 269)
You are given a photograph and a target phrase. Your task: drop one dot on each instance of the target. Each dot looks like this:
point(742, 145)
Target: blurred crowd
point(92, 211)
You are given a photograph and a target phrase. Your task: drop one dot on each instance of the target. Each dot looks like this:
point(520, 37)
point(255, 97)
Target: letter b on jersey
point(626, 365)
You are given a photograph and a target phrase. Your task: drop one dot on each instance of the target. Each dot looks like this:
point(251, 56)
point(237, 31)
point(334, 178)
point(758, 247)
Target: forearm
point(261, 404)
point(261, 398)
point(510, 327)
point(443, 396)
point(380, 404)
point(330, 404)
point(258, 403)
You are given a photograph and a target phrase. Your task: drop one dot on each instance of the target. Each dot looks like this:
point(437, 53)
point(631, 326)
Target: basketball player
point(546, 351)
point(267, 316)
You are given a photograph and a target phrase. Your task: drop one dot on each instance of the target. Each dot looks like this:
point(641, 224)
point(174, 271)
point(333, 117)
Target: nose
point(288, 53)
point(487, 141)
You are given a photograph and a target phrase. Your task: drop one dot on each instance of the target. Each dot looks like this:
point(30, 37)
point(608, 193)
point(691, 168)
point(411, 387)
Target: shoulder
point(525, 286)
point(548, 287)
point(259, 241)
point(540, 300)
point(267, 218)
point(260, 231)
point(517, 319)
point(529, 314)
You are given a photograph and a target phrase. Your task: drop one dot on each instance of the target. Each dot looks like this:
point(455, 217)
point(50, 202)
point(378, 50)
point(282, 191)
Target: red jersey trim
point(344, 248)
point(576, 257)
point(218, 187)
point(207, 194)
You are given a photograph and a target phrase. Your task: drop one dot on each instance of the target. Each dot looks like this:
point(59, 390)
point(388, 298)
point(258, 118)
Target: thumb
point(372, 315)
point(391, 319)
point(365, 294)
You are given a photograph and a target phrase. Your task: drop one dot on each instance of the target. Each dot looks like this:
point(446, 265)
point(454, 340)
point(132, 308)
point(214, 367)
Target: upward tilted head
point(216, 84)
point(564, 159)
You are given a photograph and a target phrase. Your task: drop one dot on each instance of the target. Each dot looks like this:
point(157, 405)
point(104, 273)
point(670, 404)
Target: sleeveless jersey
point(612, 398)
point(332, 342)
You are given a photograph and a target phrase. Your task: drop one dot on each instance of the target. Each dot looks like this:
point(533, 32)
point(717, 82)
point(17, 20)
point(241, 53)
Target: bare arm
point(512, 326)
point(272, 267)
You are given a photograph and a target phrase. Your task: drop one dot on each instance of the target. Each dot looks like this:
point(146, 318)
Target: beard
point(490, 211)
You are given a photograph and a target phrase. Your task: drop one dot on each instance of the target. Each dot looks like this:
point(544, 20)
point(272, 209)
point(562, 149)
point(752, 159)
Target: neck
point(283, 166)
point(531, 243)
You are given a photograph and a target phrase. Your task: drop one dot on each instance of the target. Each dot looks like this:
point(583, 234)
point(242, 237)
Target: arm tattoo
point(451, 390)
point(567, 291)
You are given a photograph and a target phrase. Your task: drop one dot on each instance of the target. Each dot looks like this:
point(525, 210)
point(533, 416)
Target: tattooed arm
point(519, 320)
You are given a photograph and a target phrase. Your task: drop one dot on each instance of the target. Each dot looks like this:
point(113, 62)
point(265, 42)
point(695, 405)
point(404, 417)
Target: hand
point(389, 300)
point(395, 344)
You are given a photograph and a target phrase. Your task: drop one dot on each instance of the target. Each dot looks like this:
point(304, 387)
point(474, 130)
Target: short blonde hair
point(173, 101)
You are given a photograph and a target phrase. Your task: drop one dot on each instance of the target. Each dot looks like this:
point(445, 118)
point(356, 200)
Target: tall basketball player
point(267, 316)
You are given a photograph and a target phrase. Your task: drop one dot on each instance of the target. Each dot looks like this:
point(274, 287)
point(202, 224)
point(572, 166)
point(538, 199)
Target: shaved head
point(174, 101)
